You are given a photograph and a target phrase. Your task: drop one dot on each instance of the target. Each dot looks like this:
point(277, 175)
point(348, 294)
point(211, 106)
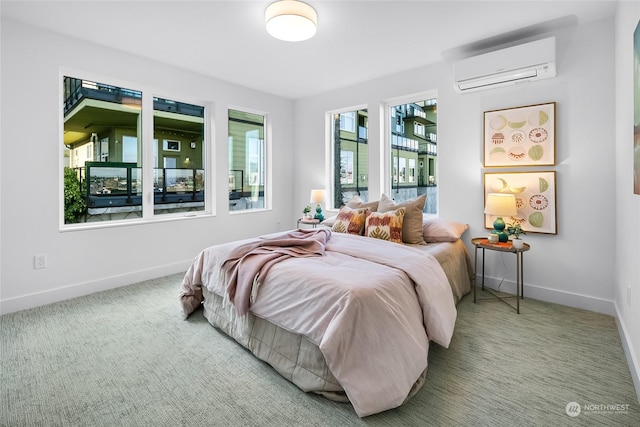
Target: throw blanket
point(248, 264)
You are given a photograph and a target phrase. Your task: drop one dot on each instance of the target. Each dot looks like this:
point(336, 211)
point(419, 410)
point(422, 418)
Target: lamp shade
point(500, 204)
point(291, 20)
point(317, 196)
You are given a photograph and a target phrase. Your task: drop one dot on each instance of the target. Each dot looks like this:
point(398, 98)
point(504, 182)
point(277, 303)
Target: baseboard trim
point(632, 361)
point(556, 296)
point(50, 296)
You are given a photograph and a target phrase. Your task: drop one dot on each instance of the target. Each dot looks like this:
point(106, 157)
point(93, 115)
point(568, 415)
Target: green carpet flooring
point(124, 357)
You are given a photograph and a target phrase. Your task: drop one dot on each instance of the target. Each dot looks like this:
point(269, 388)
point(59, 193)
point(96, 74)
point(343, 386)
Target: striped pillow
point(386, 225)
point(350, 221)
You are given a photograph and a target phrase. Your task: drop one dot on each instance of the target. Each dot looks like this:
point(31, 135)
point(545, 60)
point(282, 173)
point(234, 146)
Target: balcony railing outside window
point(119, 185)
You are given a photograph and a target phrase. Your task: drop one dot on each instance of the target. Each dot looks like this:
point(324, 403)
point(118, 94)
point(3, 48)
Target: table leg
point(483, 255)
point(518, 283)
point(522, 274)
point(475, 273)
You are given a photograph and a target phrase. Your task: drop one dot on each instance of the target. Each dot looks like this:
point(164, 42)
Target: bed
point(353, 323)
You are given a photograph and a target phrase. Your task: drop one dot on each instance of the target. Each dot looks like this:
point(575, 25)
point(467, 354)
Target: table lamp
point(498, 204)
point(317, 196)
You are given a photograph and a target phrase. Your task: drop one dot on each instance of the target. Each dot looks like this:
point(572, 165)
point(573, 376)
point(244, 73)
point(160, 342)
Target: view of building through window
point(104, 168)
point(413, 142)
point(350, 152)
point(414, 137)
point(246, 161)
point(178, 156)
point(103, 153)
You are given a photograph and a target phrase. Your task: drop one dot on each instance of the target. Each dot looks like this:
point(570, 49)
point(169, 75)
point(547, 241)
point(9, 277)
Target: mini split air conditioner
point(526, 62)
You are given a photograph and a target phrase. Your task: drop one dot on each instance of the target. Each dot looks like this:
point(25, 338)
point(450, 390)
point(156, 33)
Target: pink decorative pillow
point(350, 221)
point(442, 230)
point(385, 225)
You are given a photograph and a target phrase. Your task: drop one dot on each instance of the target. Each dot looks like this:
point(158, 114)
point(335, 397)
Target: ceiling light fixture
point(291, 20)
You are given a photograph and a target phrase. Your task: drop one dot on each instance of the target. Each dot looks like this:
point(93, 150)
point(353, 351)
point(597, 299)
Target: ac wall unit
point(526, 62)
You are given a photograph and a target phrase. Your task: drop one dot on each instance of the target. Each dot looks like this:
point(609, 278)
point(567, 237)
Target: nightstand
point(313, 222)
point(485, 244)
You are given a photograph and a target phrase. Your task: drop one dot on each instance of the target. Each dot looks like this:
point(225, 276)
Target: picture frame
point(535, 194)
point(520, 136)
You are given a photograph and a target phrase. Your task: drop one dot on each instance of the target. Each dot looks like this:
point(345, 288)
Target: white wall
point(81, 262)
point(627, 237)
point(569, 268)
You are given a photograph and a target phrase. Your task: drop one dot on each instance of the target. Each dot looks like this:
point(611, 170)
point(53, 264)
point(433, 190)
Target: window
point(412, 170)
point(350, 154)
point(129, 149)
point(246, 161)
point(348, 121)
point(171, 145)
point(178, 181)
point(346, 167)
point(104, 151)
point(413, 135)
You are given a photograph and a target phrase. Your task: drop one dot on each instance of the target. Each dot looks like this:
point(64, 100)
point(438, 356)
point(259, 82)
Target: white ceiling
point(356, 40)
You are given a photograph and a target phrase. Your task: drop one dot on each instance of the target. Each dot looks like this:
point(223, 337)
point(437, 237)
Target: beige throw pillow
point(357, 202)
point(412, 224)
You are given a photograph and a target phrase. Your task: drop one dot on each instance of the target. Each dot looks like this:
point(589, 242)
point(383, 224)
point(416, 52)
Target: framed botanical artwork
point(535, 194)
point(522, 136)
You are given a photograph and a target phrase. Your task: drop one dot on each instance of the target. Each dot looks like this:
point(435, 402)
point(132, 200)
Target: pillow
point(350, 221)
point(442, 230)
point(329, 220)
point(385, 225)
point(412, 224)
point(357, 202)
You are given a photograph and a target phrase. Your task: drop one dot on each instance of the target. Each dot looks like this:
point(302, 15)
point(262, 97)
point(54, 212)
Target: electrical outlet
point(40, 261)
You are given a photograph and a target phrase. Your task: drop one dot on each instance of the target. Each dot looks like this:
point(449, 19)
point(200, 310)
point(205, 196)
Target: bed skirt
point(292, 355)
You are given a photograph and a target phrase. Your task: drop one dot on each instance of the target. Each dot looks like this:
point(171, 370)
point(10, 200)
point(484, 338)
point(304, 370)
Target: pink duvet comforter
point(371, 306)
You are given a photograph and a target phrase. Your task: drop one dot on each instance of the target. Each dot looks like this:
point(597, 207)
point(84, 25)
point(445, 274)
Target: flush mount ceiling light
point(291, 20)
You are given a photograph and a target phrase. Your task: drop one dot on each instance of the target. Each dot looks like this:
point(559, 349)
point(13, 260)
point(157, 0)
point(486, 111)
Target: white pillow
point(442, 230)
point(329, 221)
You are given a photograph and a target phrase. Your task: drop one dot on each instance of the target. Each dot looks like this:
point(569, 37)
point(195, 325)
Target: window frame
point(387, 157)
point(329, 152)
point(146, 156)
point(267, 161)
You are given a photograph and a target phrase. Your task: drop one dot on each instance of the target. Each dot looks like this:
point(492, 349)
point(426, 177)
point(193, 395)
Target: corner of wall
point(627, 345)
